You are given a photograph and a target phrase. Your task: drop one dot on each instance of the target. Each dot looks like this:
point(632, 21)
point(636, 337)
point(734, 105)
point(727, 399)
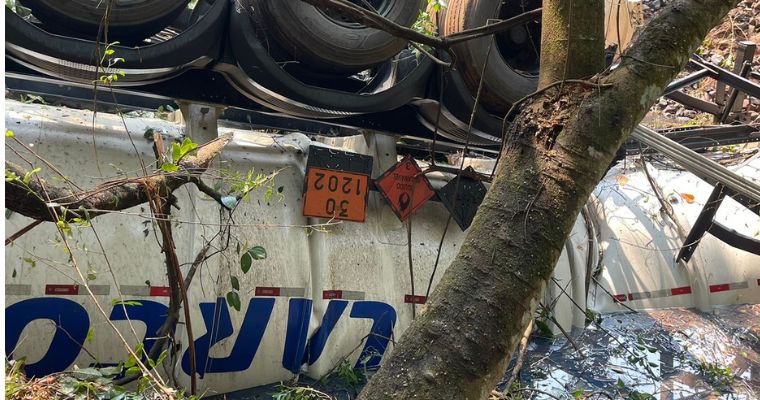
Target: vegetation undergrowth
point(79, 384)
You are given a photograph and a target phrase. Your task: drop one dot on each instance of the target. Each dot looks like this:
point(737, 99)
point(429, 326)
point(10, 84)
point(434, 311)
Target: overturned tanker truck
point(341, 236)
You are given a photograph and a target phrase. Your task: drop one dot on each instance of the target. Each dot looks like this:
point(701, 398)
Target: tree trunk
point(572, 40)
point(555, 154)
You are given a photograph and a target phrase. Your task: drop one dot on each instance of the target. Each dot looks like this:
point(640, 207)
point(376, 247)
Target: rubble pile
point(719, 48)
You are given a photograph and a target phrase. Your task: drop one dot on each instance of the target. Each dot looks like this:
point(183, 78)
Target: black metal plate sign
point(327, 158)
point(468, 198)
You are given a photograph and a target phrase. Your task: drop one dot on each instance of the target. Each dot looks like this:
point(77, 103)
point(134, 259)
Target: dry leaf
point(689, 198)
point(622, 180)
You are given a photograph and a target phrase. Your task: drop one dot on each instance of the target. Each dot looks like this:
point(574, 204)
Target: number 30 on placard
point(335, 194)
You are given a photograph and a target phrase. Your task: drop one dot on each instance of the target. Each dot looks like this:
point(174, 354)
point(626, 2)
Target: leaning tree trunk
point(555, 154)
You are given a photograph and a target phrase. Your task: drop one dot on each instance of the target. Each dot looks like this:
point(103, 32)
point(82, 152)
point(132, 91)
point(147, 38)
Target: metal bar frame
point(702, 224)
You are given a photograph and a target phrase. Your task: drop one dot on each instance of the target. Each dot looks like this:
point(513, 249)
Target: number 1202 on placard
point(335, 194)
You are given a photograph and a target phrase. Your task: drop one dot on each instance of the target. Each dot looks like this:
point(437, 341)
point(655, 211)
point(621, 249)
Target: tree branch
point(374, 20)
point(28, 199)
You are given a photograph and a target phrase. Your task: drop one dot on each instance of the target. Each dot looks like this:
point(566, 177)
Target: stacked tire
point(292, 57)
point(147, 40)
point(305, 61)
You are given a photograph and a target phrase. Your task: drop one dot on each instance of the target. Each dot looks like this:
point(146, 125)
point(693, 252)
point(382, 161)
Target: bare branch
point(374, 20)
point(22, 231)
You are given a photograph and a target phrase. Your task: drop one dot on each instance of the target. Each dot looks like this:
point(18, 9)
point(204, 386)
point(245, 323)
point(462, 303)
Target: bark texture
point(572, 40)
point(42, 201)
point(555, 154)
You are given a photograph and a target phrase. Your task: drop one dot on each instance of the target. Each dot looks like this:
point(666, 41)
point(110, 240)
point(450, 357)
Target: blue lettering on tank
point(151, 313)
point(216, 318)
point(299, 314)
point(72, 324)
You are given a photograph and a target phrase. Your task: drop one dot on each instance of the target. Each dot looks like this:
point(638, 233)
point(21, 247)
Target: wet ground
point(663, 355)
point(666, 354)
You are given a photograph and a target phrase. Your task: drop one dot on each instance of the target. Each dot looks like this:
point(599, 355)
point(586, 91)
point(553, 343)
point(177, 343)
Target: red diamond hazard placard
point(405, 188)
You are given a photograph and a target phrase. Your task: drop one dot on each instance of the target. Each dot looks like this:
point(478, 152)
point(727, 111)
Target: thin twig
point(664, 205)
point(521, 354)
point(460, 172)
point(22, 231)
point(567, 336)
point(411, 267)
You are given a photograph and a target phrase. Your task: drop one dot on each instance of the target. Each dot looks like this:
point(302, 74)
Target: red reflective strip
point(680, 290)
point(619, 298)
point(720, 288)
point(159, 291)
point(332, 294)
point(267, 291)
point(408, 298)
point(61, 289)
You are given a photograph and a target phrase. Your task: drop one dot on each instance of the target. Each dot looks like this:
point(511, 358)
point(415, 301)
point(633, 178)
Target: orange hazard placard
point(335, 194)
point(405, 188)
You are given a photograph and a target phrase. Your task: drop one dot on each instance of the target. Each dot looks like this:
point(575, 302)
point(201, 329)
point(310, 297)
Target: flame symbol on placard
point(404, 200)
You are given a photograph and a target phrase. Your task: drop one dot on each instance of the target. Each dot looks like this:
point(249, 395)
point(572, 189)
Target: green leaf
point(10, 176)
point(28, 175)
point(169, 167)
point(30, 261)
point(133, 370)
point(176, 152)
point(544, 329)
point(81, 222)
point(254, 253)
point(268, 194)
point(110, 371)
point(90, 335)
point(117, 302)
point(64, 227)
point(245, 262)
point(69, 386)
point(258, 253)
point(235, 283)
point(86, 374)
point(131, 362)
point(188, 146)
point(234, 300)
point(8, 133)
point(179, 151)
point(162, 357)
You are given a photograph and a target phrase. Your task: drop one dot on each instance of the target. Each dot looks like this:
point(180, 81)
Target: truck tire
point(512, 69)
point(128, 23)
point(405, 78)
point(75, 59)
point(329, 41)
